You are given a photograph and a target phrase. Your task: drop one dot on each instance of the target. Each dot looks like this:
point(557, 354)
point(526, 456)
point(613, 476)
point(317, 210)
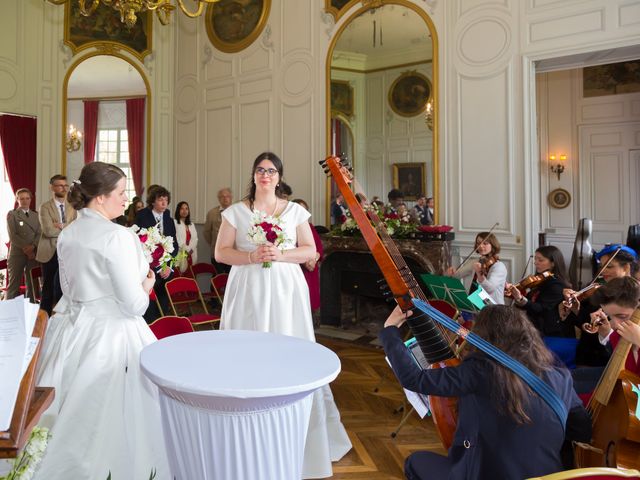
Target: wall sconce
point(428, 116)
point(73, 139)
point(557, 168)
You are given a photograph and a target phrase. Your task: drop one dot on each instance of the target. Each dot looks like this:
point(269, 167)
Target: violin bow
point(595, 279)
point(477, 246)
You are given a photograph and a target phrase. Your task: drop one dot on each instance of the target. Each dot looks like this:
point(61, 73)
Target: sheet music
point(17, 319)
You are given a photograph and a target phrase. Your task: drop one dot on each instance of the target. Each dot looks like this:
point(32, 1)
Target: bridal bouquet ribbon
point(266, 229)
point(156, 247)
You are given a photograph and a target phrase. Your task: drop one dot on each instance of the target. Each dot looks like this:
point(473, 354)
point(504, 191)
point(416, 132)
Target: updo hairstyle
point(96, 178)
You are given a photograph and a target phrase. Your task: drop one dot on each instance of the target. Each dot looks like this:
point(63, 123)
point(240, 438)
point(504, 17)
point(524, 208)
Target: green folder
point(449, 289)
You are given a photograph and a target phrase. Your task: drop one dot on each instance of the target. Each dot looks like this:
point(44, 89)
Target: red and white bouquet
point(266, 229)
point(156, 247)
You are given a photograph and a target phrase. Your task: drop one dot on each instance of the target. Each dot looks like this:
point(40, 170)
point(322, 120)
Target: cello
point(433, 341)
point(613, 407)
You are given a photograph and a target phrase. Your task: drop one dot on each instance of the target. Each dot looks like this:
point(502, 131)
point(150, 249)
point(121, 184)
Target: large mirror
point(106, 117)
point(381, 81)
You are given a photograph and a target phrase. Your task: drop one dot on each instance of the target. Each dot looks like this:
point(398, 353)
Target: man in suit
point(421, 212)
point(55, 214)
point(212, 225)
point(156, 213)
point(24, 233)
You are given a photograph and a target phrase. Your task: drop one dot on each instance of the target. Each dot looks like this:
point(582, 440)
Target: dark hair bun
point(76, 197)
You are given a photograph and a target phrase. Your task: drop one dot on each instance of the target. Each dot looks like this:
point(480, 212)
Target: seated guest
point(395, 197)
point(186, 235)
point(541, 302)
point(136, 205)
point(156, 213)
point(504, 430)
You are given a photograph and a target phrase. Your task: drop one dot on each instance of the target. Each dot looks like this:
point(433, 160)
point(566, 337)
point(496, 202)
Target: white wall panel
point(297, 148)
point(255, 133)
point(629, 15)
point(565, 26)
point(218, 154)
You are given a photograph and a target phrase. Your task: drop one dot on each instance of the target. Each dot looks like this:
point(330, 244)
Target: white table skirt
point(236, 404)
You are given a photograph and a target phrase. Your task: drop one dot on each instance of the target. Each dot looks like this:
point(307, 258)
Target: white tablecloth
point(236, 404)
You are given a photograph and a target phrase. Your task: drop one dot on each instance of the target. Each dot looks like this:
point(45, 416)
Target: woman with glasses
point(275, 298)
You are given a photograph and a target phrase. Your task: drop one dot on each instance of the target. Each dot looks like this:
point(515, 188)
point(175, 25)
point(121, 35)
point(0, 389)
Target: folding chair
point(219, 285)
point(209, 270)
point(170, 325)
point(36, 282)
point(154, 298)
point(185, 291)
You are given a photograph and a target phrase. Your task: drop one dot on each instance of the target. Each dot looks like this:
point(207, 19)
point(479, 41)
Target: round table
point(236, 404)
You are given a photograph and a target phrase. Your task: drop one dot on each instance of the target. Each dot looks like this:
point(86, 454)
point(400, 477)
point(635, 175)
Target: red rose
point(266, 226)
point(392, 216)
point(343, 218)
point(143, 238)
point(156, 255)
point(271, 236)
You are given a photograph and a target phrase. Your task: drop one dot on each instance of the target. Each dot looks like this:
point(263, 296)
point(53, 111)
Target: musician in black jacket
point(504, 430)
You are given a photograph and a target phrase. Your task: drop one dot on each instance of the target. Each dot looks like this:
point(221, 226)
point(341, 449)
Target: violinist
point(488, 271)
point(541, 302)
point(504, 430)
point(590, 352)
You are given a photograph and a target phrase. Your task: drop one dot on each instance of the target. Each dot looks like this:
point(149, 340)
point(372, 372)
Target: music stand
point(449, 289)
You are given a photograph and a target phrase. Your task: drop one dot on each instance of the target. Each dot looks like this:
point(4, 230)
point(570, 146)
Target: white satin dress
point(276, 300)
point(105, 416)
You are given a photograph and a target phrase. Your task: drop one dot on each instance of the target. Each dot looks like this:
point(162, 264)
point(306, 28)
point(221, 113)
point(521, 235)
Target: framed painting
point(233, 25)
point(337, 8)
point(410, 179)
point(611, 79)
point(409, 94)
point(104, 28)
point(341, 98)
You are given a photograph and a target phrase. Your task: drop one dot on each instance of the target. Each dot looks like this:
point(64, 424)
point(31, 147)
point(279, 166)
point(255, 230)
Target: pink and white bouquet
point(266, 229)
point(156, 247)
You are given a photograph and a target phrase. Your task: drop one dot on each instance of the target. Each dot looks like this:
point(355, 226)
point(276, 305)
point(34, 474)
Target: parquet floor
point(369, 416)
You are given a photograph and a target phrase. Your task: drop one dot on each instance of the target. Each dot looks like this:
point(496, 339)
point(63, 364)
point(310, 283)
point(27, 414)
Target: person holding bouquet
point(105, 417)
point(265, 238)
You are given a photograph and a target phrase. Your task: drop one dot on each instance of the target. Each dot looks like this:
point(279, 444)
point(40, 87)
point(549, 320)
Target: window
point(113, 147)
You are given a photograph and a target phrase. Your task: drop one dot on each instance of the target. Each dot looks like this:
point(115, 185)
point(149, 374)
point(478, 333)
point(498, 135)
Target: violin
point(532, 281)
point(593, 325)
point(487, 263)
point(581, 295)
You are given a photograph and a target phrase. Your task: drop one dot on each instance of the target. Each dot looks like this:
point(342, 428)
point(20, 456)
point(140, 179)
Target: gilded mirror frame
point(366, 6)
point(65, 99)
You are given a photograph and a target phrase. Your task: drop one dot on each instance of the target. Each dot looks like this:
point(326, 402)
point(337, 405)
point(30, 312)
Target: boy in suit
point(24, 233)
point(55, 214)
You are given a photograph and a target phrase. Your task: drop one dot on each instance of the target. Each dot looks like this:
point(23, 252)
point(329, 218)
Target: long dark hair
point(555, 255)
point(273, 158)
point(510, 330)
point(96, 178)
point(187, 219)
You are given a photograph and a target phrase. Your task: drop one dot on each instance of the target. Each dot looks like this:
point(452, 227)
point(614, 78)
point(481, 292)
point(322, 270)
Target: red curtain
point(18, 140)
point(135, 131)
point(90, 129)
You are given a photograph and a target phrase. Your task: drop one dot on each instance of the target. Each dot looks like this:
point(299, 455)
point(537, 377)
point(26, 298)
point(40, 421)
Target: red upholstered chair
point(445, 307)
point(154, 298)
point(595, 473)
point(219, 285)
point(184, 292)
point(170, 325)
point(203, 270)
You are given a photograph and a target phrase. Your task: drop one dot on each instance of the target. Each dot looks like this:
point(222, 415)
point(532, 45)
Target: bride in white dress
point(105, 416)
point(276, 299)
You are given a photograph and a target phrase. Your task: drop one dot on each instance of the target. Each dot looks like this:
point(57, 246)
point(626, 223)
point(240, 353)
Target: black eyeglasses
point(269, 172)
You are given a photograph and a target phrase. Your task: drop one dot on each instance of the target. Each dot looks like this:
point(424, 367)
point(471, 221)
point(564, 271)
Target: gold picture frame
point(410, 179)
point(104, 30)
point(338, 8)
point(341, 98)
point(233, 25)
point(410, 93)
point(559, 198)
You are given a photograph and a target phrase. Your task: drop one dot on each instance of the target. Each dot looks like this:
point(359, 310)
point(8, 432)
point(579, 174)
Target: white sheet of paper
point(419, 402)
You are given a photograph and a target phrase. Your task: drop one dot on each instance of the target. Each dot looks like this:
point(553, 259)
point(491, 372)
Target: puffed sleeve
point(230, 215)
point(123, 257)
point(300, 214)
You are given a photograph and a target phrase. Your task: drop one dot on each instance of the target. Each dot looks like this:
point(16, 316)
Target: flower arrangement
point(157, 248)
point(24, 465)
point(398, 225)
point(266, 229)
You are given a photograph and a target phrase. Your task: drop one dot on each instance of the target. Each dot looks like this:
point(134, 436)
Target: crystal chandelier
point(129, 9)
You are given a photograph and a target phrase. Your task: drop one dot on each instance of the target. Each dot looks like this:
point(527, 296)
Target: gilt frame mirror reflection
point(374, 46)
point(112, 79)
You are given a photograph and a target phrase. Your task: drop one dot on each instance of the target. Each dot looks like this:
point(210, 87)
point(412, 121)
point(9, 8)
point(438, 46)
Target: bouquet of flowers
point(156, 247)
point(266, 229)
point(25, 464)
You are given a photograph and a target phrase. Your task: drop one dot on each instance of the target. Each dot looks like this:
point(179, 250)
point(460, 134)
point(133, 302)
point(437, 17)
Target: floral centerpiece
point(266, 229)
point(397, 225)
point(25, 464)
point(157, 248)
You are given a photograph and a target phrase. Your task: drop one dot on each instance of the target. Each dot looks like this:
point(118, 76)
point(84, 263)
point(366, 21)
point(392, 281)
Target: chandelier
point(129, 9)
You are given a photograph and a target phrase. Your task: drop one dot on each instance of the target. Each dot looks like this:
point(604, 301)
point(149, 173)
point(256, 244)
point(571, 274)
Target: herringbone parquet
point(369, 416)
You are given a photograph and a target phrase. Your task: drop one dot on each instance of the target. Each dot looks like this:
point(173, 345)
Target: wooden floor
point(369, 416)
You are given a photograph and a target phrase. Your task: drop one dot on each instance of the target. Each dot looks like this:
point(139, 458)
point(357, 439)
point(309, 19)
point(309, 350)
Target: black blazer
point(496, 447)
point(542, 309)
point(145, 219)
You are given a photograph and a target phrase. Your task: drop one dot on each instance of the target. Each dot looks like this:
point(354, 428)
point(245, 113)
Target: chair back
point(154, 298)
point(36, 282)
point(184, 291)
point(170, 325)
point(445, 307)
point(219, 285)
point(592, 473)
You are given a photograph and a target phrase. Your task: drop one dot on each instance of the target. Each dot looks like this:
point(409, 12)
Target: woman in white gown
point(276, 299)
point(105, 416)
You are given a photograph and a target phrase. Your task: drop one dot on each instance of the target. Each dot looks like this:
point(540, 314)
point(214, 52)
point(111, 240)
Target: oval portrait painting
point(233, 25)
point(409, 94)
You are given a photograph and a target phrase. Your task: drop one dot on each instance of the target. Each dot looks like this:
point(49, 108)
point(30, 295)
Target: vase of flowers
point(266, 229)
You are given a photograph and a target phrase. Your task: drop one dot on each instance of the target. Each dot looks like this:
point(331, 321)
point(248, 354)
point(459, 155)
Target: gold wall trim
point(65, 99)
point(435, 94)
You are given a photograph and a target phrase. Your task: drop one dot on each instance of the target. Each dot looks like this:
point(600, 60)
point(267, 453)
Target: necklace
point(275, 208)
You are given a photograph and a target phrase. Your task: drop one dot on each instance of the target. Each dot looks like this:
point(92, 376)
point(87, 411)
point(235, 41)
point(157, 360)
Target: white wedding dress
point(105, 416)
point(276, 300)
